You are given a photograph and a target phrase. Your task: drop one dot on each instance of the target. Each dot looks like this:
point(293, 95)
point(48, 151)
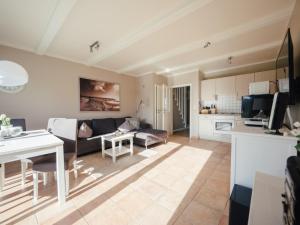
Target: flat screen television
point(258, 106)
point(285, 66)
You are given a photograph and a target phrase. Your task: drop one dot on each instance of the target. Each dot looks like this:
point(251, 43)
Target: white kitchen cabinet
point(242, 84)
point(208, 90)
point(206, 126)
point(225, 86)
point(269, 75)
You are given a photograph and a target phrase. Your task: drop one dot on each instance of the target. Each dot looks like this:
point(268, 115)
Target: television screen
point(256, 105)
point(285, 66)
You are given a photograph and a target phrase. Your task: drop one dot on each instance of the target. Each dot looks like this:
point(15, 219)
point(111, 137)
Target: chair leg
point(2, 176)
point(67, 182)
point(24, 166)
point(35, 185)
point(45, 179)
point(75, 169)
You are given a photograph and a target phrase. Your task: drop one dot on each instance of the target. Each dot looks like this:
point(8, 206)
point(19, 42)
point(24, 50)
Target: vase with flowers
point(5, 122)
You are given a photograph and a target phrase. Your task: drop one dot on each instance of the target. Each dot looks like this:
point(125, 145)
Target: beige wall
point(192, 79)
point(146, 86)
point(53, 89)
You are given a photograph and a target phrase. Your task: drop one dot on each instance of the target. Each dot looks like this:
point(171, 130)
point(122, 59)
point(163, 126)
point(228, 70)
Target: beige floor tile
point(170, 200)
point(154, 214)
point(217, 186)
point(198, 214)
point(181, 221)
point(211, 199)
point(224, 220)
point(31, 220)
point(221, 175)
point(134, 203)
point(165, 179)
point(108, 214)
point(152, 189)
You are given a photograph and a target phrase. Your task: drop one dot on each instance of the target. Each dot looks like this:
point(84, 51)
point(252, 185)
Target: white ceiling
point(140, 37)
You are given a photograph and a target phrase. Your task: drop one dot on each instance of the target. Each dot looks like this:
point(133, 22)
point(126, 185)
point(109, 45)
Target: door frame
point(171, 109)
point(155, 104)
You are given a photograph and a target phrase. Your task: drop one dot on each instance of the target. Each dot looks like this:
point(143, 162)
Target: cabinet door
point(282, 73)
point(205, 128)
point(208, 89)
point(269, 75)
point(225, 86)
point(242, 84)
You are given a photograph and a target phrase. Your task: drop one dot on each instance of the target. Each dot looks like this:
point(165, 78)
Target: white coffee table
point(116, 151)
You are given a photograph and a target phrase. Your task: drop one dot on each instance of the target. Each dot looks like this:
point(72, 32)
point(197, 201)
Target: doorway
point(181, 110)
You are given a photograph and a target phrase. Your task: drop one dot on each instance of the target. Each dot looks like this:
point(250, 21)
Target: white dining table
point(35, 143)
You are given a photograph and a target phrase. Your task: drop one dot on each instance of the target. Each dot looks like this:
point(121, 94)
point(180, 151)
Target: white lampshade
point(13, 77)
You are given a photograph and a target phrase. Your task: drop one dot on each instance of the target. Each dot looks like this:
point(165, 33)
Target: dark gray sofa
point(144, 136)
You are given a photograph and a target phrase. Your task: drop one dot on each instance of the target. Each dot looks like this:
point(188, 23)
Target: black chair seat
point(48, 163)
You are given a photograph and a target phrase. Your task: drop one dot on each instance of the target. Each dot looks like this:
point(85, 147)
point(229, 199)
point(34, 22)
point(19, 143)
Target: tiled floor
point(182, 182)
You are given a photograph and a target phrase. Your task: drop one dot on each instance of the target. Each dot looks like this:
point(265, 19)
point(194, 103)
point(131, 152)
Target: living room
point(142, 106)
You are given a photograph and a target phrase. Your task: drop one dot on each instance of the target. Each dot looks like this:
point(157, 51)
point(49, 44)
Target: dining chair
point(66, 130)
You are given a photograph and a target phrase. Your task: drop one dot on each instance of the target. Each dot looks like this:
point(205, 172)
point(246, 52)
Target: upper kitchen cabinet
point(282, 73)
point(242, 84)
point(208, 90)
point(225, 86)
point(269, 75)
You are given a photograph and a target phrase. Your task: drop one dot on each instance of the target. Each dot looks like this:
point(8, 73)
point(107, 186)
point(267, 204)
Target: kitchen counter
point(258, 131)
point(252, 150)
point(222, 114)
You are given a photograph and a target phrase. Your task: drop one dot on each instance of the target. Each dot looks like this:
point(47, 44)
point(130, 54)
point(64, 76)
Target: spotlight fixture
point(229, 59)
point(94, 46)
point(167, 70)
point(207, 44)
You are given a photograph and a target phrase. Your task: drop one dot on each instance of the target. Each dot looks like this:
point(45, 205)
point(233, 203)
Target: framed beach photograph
point(99, 95)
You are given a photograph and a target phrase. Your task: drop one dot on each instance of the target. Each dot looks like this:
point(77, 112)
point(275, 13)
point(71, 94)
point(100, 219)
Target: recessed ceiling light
point(207, 44)
point(167, 70)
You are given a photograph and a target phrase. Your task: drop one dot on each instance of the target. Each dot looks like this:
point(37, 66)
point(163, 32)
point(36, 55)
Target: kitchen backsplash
point(225, 104)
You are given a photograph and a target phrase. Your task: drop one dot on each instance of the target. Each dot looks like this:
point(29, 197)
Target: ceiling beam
point(195, 65)
point(222, 36)
point(211, 72)
point(150, 27)
point(60, 13)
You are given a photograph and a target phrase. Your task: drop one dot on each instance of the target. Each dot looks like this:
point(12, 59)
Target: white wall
point(146, 85)
point(192, 79)
point(53, 89)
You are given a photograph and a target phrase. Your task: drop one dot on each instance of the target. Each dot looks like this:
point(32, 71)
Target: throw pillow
point(85, 131)
point(125, 127)
point(134, 122)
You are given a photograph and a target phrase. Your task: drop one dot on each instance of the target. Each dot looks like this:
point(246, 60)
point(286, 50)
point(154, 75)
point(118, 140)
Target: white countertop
point(220, 114)
point(257, 131)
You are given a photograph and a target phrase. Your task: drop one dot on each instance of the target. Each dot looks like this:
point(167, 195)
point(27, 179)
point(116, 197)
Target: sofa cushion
point(119, 121)
point(151, 133)
point(126, 127)
point(88, 122)
point(85, 131)
point(134, 122)
point(103, 126)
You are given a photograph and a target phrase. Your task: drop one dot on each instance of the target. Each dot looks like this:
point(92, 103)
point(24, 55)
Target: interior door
point(162, 106)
